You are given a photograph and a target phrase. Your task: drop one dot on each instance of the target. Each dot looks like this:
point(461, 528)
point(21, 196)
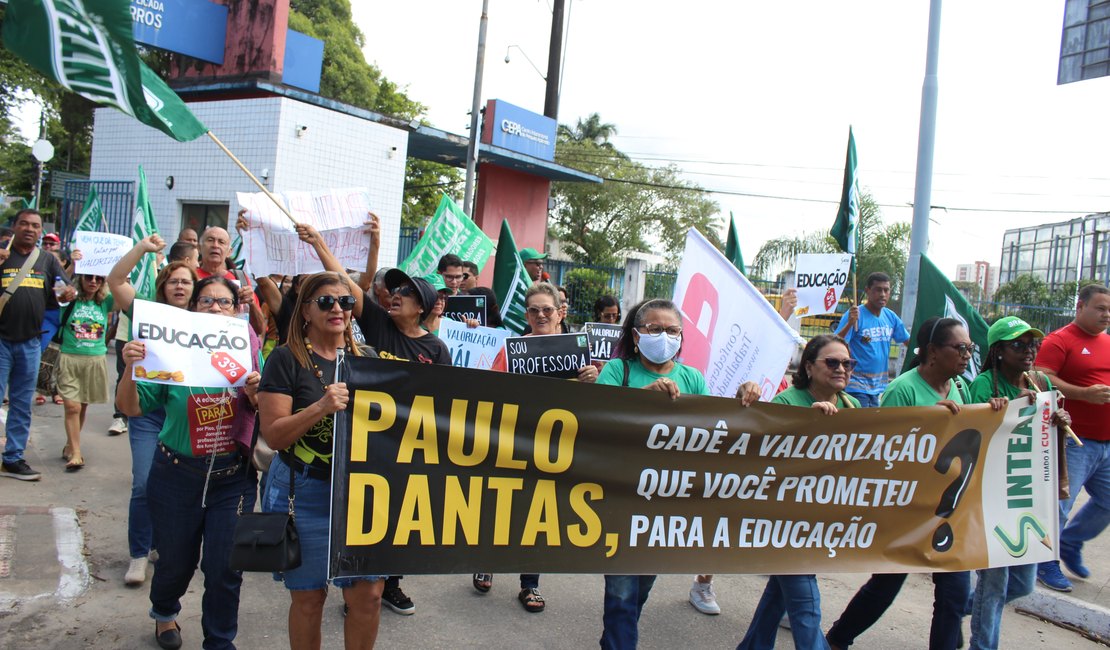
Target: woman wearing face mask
point(651, 338)
point(819, 383)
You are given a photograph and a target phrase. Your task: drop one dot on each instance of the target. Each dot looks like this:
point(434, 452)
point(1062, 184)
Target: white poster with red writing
point(271, 246)
point(190, 349)
point(729, 330)
point(820, 279)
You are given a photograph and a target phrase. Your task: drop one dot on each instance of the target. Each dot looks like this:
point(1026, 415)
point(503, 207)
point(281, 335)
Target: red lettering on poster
point(210, 418)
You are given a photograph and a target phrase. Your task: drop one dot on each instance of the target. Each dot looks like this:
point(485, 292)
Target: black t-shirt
point(391, 343)
point(282, 374)
point(22, 318)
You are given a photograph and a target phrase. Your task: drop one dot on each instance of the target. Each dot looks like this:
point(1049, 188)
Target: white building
point(983, 274)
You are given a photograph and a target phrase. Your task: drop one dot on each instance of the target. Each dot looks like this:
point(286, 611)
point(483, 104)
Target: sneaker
point(703, 599)
point(19, 470)
point(136, 572)
point(1073, 560)
point(118, 428)
point(1049, 575)
point(395, 599)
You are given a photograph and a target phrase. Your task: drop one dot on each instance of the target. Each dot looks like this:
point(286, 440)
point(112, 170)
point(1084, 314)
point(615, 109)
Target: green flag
point(845, 229)
point(510, 281)
point(142, 278)
point(88, 47)
point(732, 246)
point(937, 296)
point(91, 214)
point(449, 231)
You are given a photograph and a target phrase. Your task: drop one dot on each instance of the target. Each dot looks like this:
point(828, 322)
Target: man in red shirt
point(1076, 359)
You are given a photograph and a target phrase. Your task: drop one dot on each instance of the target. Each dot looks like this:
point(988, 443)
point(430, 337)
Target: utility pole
point(475, 112)
point(554, 58)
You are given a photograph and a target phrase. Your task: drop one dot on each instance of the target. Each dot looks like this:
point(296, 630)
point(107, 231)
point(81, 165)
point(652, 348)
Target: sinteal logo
point(82, 57)
point(1018, 546)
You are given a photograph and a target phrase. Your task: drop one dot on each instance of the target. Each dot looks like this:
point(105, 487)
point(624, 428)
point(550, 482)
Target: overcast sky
point(756, 98)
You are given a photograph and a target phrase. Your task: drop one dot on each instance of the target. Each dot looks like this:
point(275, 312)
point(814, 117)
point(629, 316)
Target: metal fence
point(585, 283)
point(1043, 318)
point(406, 241)
point(117, 201)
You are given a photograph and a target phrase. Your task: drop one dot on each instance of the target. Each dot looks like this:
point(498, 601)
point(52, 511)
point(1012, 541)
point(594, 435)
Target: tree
point(592, 129)
point(1025, 289)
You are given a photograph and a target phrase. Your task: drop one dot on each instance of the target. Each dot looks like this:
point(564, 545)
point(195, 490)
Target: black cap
point(425, 294)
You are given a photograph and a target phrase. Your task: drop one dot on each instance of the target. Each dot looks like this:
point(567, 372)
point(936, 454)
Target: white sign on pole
point(271, 245)
point(99, 251)
point(820, 279)
point(472, 347)
point(206, 350)
point(729, 330)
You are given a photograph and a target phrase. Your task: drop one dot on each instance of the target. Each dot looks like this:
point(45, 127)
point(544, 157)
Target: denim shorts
point(311, 504)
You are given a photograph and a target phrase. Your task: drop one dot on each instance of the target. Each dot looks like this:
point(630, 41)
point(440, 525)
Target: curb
point(1093, 621)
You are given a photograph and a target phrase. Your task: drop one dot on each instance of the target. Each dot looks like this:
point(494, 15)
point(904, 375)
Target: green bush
point(584, 286)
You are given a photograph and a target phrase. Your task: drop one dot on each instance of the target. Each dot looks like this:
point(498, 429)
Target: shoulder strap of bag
point(847, 402)
point(627, 370)
point(62, 323)
point(24, 271)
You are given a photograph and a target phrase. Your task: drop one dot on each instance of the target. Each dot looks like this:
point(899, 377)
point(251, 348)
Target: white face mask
point(659, 348)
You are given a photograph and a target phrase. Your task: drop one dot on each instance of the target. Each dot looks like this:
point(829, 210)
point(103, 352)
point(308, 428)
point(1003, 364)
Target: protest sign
point(820, 279)
point(472, 347)
point(271, 245)
point(438, 470)
point(201, 350)
point(449, 231)
point(603, 340)
point(729, 330)
point(464, 308)
point(99, 251)
point(551, 355)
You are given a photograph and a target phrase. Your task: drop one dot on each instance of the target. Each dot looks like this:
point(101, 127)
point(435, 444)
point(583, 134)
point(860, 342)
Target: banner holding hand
point(99, 251)
point(820, 279)
point(202, 350)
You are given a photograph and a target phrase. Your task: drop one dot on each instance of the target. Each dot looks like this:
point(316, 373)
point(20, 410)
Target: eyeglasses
point(406, 290)
point(964, 349)
point(833, 364)
point(325, 303)
point(94, 278)
point(536, 311)
point(1022, 346)
point(207, 301)
point(656, 330)
point(454, 277)
point(180, 282)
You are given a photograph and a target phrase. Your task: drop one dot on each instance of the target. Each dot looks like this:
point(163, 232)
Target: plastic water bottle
point(244, 311)
point(60, 288)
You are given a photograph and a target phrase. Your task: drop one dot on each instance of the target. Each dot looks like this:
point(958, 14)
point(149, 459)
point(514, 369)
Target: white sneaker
point(703, 599)
point(118, 428)
point(136, 572)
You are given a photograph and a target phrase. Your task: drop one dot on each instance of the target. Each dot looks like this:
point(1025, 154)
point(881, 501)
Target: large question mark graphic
point(965, 446)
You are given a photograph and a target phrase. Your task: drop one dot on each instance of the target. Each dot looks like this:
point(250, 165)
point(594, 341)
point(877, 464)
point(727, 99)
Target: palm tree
point(592, 129)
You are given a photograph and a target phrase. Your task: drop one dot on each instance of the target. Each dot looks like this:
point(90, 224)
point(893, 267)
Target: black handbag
point(266, 541)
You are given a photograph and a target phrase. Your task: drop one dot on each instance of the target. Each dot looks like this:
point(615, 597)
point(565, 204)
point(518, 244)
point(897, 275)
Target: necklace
point(316, 368)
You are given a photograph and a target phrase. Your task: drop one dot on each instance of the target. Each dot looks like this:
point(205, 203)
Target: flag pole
point(252, 176)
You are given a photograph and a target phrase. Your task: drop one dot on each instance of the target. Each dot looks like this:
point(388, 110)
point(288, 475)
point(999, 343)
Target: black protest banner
point(464, 308)
point(442, 470)
point(603, 340)
point(550, 355)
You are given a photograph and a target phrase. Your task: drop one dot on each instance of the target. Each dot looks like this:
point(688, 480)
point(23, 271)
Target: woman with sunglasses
point(823, 373)
point(1007, 373)
point(174, 287)
point(944, 349)
point(200, 477)
point(82, 364)
point(297, 402)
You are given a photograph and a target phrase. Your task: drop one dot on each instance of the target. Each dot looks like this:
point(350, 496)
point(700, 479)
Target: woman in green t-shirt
point(822, 376)
point(82, 367)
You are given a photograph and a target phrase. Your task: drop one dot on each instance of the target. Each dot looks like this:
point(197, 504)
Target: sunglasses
point(536, 311)
point(207, 301)
point(1021, 346)
point(403, 291)
point(94, 278)
point(834, 364)
point(325, 303)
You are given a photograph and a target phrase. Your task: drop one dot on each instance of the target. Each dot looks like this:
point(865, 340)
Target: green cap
point(436, 280)
point(1010, 328)
point(529, 254)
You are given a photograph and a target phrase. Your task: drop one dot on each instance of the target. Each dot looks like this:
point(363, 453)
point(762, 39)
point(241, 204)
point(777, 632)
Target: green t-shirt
point(909, 389)
point(982, 389)
point(198, 420)
point(84, 332)
point(688, 380)
point(802, 397)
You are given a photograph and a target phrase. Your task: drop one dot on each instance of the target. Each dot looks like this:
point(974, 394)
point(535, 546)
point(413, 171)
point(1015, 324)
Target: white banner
point(729, 330)
point(472, 347)
point(190, 350)
point(99, 251)
point(820, 279)
point(272, 246)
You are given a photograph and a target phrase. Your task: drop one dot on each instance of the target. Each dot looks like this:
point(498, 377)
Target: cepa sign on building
point(519, 130)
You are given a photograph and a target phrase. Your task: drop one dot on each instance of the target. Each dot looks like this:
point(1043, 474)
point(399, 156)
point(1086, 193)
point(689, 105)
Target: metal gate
point(117, 200)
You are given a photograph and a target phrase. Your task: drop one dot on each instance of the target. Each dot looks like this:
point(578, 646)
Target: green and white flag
point(510, 281)
point(88, 47)
point(845, 229)
point(91, 214)
point(144, 275)
point(937, 296)
point(732, 246)
point(449, 231)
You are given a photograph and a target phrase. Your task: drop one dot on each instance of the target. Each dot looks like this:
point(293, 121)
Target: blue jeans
point(624, 600)
point(19, 369)
point(183, 528)
point(950, 593)
point(1088, 468)
point(799, 597)
point(142, 433)
point(866, 400)
point(995, 588)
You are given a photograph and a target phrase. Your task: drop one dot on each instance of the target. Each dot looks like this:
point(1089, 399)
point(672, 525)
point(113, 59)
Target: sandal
point(58, 399)
point(532, 600)
point(67, 452)
point(75, 463)
point(483, 582)
point(40, 400)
